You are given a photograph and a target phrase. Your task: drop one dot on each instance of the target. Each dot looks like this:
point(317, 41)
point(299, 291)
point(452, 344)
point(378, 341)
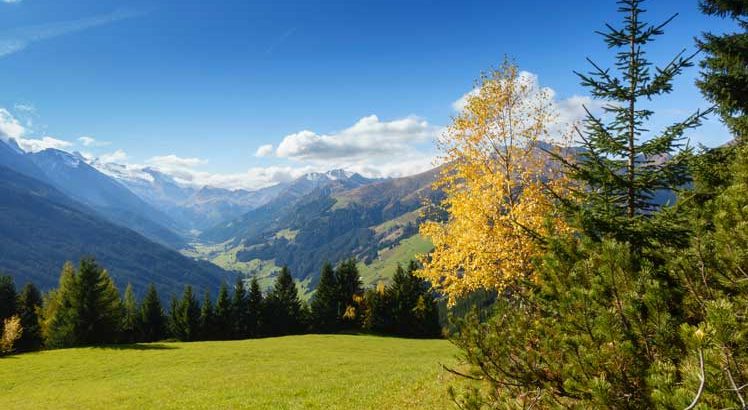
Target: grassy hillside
point(383, 268)
point(312, 371)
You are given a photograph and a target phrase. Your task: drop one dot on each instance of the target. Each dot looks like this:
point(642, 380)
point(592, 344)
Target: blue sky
point(197, 87)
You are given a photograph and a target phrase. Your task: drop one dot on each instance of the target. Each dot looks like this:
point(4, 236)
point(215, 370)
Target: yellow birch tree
point(496, 180)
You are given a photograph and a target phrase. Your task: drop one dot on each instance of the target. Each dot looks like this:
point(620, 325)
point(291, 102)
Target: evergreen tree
point(173, 321)
point(187, 318)
point(207, 318)
point(240, 310)
point(97, 305)
point(255, 303)
point(623, 165)
point(29, 304)
point(378, 310)
point(325, 303)
point(130, 317)
point(223, 314)
point(283, 307)
point(715, 362)
point(413, 310)
point(59, 319)
point(152, 316)
point(724, 76)
point(85, 310)
point(8, 298)
point(348, 286)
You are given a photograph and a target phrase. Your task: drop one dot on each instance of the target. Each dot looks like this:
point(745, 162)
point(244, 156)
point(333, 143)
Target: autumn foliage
point(497, 183)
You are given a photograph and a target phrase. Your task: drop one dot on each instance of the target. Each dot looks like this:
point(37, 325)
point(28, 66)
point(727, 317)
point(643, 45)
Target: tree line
point(87, 309)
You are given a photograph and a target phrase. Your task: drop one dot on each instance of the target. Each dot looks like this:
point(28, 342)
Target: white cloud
point(460, 104)
point(568, 111)
point(17, 40)
point(92, 142)
point(36, 145)
point(116, 156)
point(173, 162)
point(368, 137)
point(264, 150)
point(11, 1)
point(11, 128)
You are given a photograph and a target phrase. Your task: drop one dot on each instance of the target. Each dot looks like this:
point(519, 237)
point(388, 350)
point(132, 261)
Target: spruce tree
point(60, 318)
point(724, 76)
point(207, 318)
point(97, 304)
point(173, 324)
point(378, 315)
point(325, 303)
point(412, 308)
point(8, 298)
point(283, 306)
point(255, 303)
point(223, 314)
point(130, 316)
point(29, 304)
point(240, 310)
point(187, 318)
point(624, 165)
point(86, 308)
point(152, 316)
point(348, 285)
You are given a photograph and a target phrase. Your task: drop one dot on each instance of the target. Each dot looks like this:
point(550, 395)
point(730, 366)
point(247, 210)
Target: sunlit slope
point(312, 371)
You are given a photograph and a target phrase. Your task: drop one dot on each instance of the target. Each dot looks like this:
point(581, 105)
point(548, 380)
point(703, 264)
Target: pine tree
point(207, 318)
point(59, 319)
point(187, 317)
point(152, 316)
point(97, 303)
point(173, 324)
point(85, 310)
point(8, 299)
point(325, 303)
point(240, 310)
point(724, 76)
point(29, 304)
point(413, 310)
point(623, 165)
point(130, 317)
point(255, 303)
point(715, 363)
point(348, 286)
point(223, 314)
point(283, 306)
point(378, 315)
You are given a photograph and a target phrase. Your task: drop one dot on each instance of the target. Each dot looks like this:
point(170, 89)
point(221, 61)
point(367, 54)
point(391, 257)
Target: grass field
point(384, 267)
point(296, 372)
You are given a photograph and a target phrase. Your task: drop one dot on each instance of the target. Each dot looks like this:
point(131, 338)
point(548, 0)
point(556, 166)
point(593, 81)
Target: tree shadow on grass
point(138, 346)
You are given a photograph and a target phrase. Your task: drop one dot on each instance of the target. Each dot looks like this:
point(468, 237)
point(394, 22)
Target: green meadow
point(295, 372)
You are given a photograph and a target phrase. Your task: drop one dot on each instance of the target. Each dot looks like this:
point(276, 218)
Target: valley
point(221, 233)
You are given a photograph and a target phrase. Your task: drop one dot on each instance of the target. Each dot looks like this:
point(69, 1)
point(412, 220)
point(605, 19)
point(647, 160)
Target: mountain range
point(145, 226)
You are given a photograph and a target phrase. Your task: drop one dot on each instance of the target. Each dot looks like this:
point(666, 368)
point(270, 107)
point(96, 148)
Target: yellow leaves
point(12, 332)
point(496, 183)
